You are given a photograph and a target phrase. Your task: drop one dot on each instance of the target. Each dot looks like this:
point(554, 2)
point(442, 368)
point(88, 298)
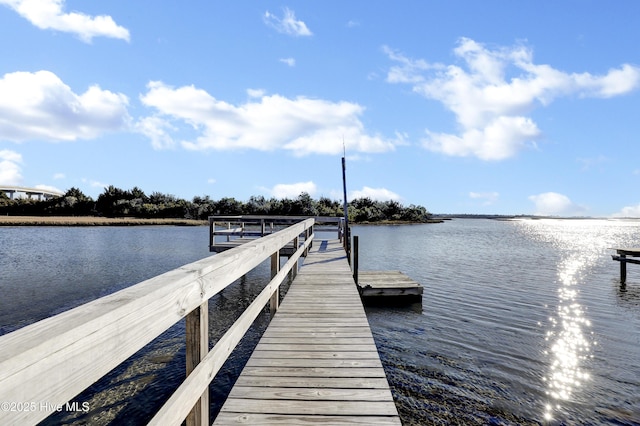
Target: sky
point(479, 107)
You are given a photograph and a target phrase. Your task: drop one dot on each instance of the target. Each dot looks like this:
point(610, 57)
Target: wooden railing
point(241, 226)
point(45, 364)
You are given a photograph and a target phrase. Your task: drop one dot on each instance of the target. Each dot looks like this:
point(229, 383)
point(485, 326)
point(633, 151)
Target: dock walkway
point(317, 361)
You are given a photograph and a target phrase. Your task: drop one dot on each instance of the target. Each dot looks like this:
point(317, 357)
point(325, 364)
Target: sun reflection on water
point(569, 340)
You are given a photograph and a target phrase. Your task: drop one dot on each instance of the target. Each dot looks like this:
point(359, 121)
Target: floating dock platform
point(387, 283)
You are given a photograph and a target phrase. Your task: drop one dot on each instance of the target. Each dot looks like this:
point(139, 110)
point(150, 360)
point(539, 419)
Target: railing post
point(296, 243)
point(212, 227)
point(307, 234)
point(275, 297)
point(197, 330)
point(623, 268)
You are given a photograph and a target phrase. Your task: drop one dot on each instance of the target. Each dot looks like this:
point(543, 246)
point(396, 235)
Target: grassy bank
point(92, 221)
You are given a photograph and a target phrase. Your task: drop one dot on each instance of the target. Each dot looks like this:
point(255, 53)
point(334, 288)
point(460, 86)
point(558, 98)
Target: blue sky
point(504, 107)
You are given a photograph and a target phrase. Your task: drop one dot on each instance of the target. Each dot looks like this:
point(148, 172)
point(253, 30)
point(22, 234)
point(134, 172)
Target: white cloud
point(302, 126)
point(158, 131)
point(499, 140)
point(494, 91)
point(379, 194)
point(59, 176)
point(288, 24)
point(256, 93)
point(628, 211)
point(40, 106)
point(211, 181)
point(554, 204)
point(10, 170)
point(289, 61)
point(292, 190)
point(487, 198)
point(48, 14)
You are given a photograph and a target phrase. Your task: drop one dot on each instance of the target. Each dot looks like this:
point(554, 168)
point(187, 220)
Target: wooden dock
point(317, 361)
point(387, 283)
point(621, 256)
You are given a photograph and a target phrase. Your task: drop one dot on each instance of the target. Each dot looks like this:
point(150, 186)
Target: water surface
point(522, 322)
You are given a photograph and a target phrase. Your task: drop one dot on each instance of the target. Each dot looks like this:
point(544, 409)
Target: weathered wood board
point(387, 283)
point(317, 361)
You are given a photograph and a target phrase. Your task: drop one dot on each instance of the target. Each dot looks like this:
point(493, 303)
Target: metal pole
point(344, 206)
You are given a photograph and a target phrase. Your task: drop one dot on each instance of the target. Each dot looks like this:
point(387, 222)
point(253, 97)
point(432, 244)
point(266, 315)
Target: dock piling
point(355, 258)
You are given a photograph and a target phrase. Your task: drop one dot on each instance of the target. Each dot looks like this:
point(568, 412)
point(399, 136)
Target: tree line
point(116, 202)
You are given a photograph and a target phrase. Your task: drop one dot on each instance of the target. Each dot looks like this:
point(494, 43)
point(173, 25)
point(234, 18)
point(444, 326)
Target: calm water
point(522, 322)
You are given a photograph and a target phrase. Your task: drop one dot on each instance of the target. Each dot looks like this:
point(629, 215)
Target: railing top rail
point(54, 359)
point(275, 219)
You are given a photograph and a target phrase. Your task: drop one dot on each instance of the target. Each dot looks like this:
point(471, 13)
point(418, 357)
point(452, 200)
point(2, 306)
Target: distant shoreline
point(401, 222)
point(93, 221)
point(132, 221)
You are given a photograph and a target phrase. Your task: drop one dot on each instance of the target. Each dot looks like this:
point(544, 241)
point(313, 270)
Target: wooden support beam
point(275, 297)
point(621, 257)
point(294, 270)
point(197, 331)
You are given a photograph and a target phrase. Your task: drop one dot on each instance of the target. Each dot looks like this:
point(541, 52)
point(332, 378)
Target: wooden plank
point(318, 332)
point(317, 354)
point(314, 363)
point(628, 251)
point(311, 406)
point(353, 373)
point(299, 420)
point(310, 393)
point(312, 348)
point(317, 361)
point(304, 341)
point(390, 292)
point(315, 382)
